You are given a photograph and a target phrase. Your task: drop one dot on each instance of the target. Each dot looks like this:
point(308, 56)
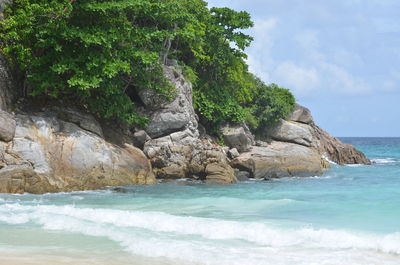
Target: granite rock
point(51, 155)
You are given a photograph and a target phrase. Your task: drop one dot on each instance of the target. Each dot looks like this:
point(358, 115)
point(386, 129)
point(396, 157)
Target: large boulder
point(281, 159)
point(169, 116)
point(301, 114)
point(51, 155)
point(238, 136)
point(291, 132)
point(7, 126)
point(220, 173)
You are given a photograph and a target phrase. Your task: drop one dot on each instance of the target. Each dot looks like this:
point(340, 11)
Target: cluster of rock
point(66, 150)
point(296, 147)
point(174, 146)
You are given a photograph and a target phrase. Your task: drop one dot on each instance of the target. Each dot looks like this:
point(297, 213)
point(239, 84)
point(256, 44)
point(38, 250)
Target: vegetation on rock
point(99, 54)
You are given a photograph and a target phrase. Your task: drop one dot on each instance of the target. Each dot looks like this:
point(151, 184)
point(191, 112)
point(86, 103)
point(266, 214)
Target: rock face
point(169, 116)
point(84, 120)
point(50, 155)
point(67, 150)
point(7, 126)
point(327, 145)
point(175, 150)
point(238, 136)
point(299, 148)
point(281, 159)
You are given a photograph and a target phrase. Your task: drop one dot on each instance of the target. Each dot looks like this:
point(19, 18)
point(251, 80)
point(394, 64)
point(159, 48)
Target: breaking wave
point(122, 226)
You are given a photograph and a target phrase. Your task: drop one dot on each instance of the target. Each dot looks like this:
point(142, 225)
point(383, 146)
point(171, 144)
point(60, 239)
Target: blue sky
point(341, 59)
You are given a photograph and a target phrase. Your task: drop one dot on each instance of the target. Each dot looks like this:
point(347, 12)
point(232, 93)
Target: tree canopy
point(98, 52)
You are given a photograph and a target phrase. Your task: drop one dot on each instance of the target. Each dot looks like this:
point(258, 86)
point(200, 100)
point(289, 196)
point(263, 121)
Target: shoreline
point(32, 257)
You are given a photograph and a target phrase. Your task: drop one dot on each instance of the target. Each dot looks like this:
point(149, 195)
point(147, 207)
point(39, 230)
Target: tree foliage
point(270, 104)
point(96, 53)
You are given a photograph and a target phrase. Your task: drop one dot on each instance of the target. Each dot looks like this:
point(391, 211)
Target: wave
point(311, 177)
point(355, 165)
point(387, 160)
point(113, 224)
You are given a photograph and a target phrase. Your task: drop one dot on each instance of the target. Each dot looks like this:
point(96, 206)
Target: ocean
point(349, 216)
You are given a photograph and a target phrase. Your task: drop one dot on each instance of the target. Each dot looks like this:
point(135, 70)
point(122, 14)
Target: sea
point(348, 216)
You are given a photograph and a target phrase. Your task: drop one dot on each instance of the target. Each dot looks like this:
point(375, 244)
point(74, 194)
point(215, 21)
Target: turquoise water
point(350, 215)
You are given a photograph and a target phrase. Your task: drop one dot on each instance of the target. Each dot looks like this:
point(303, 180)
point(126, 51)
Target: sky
point(340, 58)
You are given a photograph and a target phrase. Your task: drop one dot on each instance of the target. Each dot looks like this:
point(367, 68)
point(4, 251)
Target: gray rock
point(163, 123)
point(7, 126)
point(301, 114)
point(233, 153)
point(281, 159)
point(182, 155)
point(292, 132)
point(242, 175)
point(261, 143)
point(49, 155)
point(169, 116)
point(238, 136)
point(84, 120)
point(140, 138)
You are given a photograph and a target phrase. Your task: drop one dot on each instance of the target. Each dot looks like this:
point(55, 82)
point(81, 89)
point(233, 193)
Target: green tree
point(270, 104)
point(96, 53)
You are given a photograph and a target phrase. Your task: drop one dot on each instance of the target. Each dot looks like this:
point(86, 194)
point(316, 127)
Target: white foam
point(312, 177)
point(387, 160)
point(354, 165)
point(82, 220)
point(326, 157)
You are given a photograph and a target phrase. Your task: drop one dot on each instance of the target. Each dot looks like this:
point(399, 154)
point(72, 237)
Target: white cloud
point(393, 83)
point(308, 39)
point(260, 57)
point(329, 49)
point(302, 81)
point(342, 81)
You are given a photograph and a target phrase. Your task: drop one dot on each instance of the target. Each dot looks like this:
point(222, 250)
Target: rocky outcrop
point(175, 149)
point(291, 148)
point(328, 146)
point(63, 149)
point(170, 115)
point(336, 151)
point(238, 136)
point(302, 130)
point(50, 155)
point(280, 159)
point(298, 148)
